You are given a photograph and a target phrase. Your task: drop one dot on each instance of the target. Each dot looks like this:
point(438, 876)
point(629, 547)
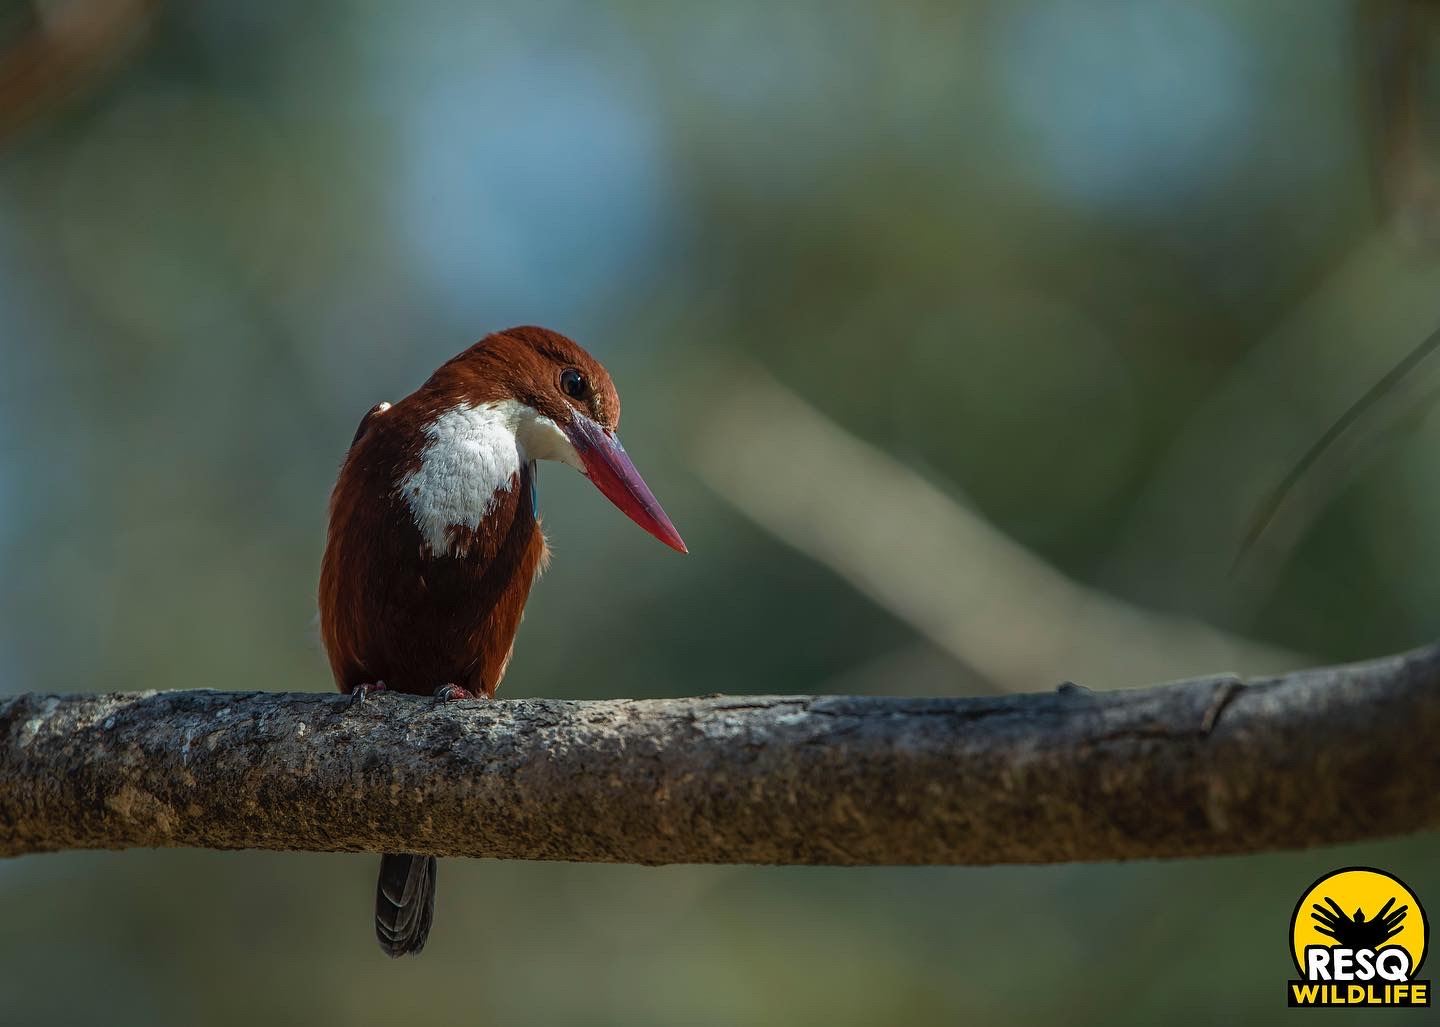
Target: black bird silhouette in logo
point(1357, 932)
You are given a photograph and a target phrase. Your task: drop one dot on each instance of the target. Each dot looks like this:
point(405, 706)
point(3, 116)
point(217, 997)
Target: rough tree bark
point(1194, 768)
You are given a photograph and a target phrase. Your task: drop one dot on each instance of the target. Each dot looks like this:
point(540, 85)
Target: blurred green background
point(1084, 276)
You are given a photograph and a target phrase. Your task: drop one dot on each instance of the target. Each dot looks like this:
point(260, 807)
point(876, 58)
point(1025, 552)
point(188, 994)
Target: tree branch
point(1195, 768)
point(957, 580)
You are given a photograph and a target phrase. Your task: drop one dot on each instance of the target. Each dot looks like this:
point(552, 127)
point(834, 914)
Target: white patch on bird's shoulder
point(471, 456)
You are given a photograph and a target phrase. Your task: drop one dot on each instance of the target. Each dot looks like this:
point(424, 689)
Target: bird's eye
point(572, 383)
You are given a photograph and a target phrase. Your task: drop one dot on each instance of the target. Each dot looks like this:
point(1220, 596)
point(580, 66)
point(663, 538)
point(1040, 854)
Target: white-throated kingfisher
point(434, 539)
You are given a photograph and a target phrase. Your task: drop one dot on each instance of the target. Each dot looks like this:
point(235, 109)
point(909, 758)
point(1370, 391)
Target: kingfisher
point(434, 539)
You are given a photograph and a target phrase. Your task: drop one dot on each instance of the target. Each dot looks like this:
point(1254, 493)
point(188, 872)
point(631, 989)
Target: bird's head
point(560, 404)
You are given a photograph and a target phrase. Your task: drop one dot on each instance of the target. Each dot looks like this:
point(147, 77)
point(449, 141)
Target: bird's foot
point(360, 693)
point(453, 693)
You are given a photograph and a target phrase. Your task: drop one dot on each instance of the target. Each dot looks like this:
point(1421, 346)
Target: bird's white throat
point(472, 455)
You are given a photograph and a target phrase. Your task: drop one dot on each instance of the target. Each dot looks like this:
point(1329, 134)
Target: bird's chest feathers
point(471, 459)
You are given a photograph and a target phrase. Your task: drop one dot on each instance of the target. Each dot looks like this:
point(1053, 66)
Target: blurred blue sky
point(1169, 121)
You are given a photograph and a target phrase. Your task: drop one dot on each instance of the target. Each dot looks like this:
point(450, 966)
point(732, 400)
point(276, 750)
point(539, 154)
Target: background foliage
point(1098, 271)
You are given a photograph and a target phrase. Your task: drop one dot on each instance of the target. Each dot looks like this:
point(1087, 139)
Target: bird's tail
point(404, 903)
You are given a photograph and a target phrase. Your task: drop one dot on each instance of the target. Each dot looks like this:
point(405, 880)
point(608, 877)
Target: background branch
point(71, 45)
point(931, 561)
point(1195, 768)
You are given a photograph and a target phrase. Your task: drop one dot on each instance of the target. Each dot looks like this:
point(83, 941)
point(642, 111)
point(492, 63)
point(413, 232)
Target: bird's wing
point(370, 415)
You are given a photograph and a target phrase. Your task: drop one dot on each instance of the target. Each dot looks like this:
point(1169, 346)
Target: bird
point(434, 539)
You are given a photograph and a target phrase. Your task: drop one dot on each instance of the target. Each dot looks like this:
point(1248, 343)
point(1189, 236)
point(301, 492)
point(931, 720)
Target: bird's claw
point(360, 693)
point(453, 693)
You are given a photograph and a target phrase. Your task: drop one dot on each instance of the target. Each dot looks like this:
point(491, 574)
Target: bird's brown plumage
point(427, 569)
point(393, 610)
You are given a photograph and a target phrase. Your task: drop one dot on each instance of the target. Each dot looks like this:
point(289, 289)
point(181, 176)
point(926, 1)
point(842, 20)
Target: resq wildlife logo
point(1358, 937)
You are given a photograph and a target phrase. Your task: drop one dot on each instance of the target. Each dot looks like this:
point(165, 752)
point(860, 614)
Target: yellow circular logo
point(1359, 910)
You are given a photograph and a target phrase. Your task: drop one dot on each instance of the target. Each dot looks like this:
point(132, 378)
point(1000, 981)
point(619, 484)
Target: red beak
point(609, 467)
